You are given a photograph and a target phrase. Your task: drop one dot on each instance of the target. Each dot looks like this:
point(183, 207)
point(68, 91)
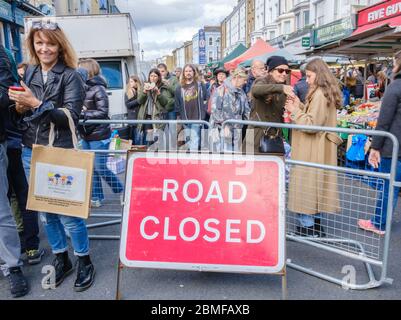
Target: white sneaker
point(96, 204)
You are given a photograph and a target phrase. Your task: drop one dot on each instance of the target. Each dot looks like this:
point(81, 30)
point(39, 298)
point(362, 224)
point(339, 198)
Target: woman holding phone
point(51, 84)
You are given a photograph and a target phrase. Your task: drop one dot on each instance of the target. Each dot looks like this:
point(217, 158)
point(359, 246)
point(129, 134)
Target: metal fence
point(358, 191)
point(356, 198)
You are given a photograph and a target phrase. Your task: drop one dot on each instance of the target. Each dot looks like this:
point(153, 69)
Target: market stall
point(373, 35)
point(259, 48)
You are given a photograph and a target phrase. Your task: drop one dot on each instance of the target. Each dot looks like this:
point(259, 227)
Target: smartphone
point(14, 88)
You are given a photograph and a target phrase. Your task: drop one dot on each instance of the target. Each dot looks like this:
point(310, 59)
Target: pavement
point(150, 284)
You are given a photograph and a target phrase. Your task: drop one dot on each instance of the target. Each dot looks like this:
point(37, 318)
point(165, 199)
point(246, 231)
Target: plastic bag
point(357, 150)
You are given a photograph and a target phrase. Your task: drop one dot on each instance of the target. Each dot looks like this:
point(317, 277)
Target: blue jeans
point(379, 220)
point(101, 170)
point(54, 224)
point(10, 247)
point(192, 136)
point(136, 136)
point(172, 115)
point(307, 220)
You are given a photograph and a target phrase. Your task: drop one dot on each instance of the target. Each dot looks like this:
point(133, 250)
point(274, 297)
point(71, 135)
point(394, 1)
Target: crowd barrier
point(358, 191)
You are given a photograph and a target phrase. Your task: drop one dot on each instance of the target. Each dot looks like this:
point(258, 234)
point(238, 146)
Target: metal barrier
point(109, 177)
point(358, 191)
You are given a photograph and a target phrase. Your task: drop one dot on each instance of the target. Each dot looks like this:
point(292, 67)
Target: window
point(306, 18)
point(272, 35)
point(298, 21)
point(210, 41)
point(287, 27)
point(111, 70)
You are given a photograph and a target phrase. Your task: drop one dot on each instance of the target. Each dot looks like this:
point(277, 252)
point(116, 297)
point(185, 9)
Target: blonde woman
point(51, 83)
point(134, 86)
point(314, 191)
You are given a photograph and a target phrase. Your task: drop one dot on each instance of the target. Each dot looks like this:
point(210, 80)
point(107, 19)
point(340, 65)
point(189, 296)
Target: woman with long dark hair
point(52, 84)
point(155, 101)
point(314, 191)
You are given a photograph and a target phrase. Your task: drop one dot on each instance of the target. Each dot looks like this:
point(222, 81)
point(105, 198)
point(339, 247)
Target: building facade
point(287, 23)
point(12, 15)
point(235, 26)
point(72, 7)
point(206, 45)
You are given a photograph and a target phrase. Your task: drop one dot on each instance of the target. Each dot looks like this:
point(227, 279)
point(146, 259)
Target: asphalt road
point(149, 284)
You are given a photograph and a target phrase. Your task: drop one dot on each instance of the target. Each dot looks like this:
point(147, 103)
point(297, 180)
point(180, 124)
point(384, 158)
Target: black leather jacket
point(6, 80)
point(97, 104)
point(64, 89)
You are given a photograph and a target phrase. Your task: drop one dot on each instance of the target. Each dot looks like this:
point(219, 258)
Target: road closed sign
point(204, 212)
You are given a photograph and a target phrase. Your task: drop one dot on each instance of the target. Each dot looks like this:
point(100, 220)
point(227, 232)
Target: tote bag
point(61, 179)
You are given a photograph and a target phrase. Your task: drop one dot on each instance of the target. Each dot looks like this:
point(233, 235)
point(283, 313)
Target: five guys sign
point(380, 12)
point(204, 212)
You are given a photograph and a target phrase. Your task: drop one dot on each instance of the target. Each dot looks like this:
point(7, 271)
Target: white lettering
point(166, 228)
point(213, 230)
point(167, 190)
point(185, 191)
point(262, 229)
point(142, 228)
point(229, 230)
point(214, 186)
point(231, 186)
point(197, 229)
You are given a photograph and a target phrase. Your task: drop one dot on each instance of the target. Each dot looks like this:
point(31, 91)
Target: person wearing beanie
point(269, 95)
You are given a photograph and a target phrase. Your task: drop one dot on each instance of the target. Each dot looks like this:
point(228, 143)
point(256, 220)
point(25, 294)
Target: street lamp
point(142, 52)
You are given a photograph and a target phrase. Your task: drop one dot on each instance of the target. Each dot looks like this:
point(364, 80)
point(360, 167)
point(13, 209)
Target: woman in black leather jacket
point(51, 83)
point(97, 136)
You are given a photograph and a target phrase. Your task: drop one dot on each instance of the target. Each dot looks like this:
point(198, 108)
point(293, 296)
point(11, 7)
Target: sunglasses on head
point(281, 71)
point(46, 25)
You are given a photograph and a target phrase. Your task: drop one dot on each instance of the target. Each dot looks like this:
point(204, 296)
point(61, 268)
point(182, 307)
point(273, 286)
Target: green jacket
point(163, 104)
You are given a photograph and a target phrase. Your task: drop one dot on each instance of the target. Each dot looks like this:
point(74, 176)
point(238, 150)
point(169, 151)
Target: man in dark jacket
point(258, 70)
point(191, 99)
point(382, 149)
point(301, 87)
point(10, 247)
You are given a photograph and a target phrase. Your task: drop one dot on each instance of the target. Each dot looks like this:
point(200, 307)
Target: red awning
point(393, 22)
point(258, 49)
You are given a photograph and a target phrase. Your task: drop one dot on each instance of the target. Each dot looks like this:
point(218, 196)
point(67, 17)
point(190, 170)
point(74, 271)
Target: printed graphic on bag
point(60, 182)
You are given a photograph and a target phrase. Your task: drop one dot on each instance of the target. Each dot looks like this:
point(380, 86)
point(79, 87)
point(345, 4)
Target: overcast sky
point(164, 25)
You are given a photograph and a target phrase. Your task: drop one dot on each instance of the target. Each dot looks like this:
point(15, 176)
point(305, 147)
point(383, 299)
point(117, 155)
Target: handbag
point(271, 144)
point(61, 179)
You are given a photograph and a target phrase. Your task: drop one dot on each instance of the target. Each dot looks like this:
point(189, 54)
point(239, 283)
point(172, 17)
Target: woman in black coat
point(97, 136)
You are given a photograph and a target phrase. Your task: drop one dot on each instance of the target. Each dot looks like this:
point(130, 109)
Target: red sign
point(380, 12)
point(202, 212)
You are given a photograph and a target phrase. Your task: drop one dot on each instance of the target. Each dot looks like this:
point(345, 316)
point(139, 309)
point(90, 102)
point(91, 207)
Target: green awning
point(240, 49)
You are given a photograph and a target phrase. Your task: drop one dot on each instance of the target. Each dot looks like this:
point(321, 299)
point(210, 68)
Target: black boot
point(63, 267)
point(319, 228)
point(85, 274)
point(18, 284)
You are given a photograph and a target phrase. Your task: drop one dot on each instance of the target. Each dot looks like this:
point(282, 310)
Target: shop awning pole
point(365, 78)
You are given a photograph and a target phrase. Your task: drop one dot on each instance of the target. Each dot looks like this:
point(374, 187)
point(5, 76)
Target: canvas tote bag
point(60, 181)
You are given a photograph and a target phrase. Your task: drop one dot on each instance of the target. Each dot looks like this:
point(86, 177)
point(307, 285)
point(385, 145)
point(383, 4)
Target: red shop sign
point(204, 212)
point(380, 12)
